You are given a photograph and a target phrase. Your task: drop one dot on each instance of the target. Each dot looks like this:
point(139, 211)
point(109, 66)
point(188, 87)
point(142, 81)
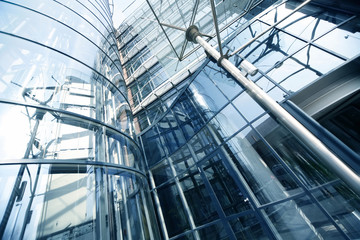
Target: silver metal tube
point(313, 143)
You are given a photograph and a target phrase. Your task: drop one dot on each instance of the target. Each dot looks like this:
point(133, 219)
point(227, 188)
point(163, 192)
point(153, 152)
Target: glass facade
point(71, 166)
point(220, 165)
point(136, 133)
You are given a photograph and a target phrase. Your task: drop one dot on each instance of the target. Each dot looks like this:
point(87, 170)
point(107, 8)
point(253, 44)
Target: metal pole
point(313, 143)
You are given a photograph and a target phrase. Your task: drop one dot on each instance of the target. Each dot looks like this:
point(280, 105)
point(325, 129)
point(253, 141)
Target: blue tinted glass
point(343, 205)
point(313, 58)
point(344, 40)
point(302, 162)
point(293, 75)
point(259, 169)
point(153, 147)
point(226, 190)
point(276, 47)
point(188, 117)
point(203, 143)
point(182, 159)
point(247, 227)
point(162, 173)
point(310, 21)
point(216, 231)
point(197, 197)
point(247, 106)
point(222, 80)
point(227, 122)
point(301, 217)
point(173, 211)
point(169, 129)
point(206, 95)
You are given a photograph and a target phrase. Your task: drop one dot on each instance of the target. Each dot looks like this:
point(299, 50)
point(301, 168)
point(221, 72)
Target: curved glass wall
point(70, 163)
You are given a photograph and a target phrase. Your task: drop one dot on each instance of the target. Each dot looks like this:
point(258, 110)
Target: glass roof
point(175, 16)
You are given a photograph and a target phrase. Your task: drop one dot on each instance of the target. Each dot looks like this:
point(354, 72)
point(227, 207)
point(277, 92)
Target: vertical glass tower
point(70, 167)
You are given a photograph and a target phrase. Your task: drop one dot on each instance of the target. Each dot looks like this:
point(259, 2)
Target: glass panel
point(247, 106)
point(302, 162)
point(202, 143)
point(216, 231)
point(301, 219)
point(247, 227)
point(267, 179)
point(343, 206)
point(162, 173)
point(275, 47)
point(198, 198)
point(62, 136)
point(293, 75)
point(226, 190)
point(189, 119)
point(187, 236)
point(343, 121)
point(344, 40)
point(153, 147)
point(172, 209)
point(182, 159)
point(310, 21)
point(170, 131)
point(313, 58)
point(222, 80)
point(227, 122)
point(206, 96)
point(61, 201)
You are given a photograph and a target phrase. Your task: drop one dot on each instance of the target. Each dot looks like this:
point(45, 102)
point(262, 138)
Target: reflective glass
point(206, 96)
point(247, 227)
point(172, 209)
point(226, 190)
point(309, 22)
point(170, 131)
point(54, 80)
point(153, 146)
point(227, 122)
point(344, 40)
point(275, 47)
point(198, 197)
point(188, 117)
point(301, 219)
point(162, 173)
point(75, 201)
point(258, 172)
point(304, 163)
point(222, 80)
point(312, 58)
point(293, 75)
point(215, 231)
point(62, 136)
point(343, 206)
point(182, 159)
point(187, 236)
point(247, 106)
point(203, 143)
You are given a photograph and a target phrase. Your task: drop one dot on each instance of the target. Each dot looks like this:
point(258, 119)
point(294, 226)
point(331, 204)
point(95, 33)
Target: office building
point(141, 133)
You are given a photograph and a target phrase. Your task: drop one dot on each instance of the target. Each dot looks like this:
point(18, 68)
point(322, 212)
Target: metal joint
point(191, 33)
